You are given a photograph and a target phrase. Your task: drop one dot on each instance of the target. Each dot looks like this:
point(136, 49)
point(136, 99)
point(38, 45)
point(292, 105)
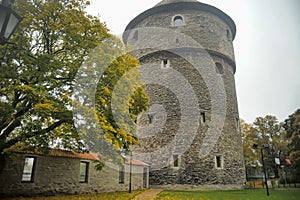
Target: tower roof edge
point(163, 2)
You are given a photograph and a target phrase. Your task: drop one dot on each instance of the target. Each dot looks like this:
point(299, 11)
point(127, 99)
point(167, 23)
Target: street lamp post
point(130, 171)
point(9, 20)
point(265, 146)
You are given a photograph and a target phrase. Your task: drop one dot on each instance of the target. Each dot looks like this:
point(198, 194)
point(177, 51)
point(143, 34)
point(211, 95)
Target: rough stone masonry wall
point(60, 176)
point(192, 170)
point(208, 30)
point(215, 36)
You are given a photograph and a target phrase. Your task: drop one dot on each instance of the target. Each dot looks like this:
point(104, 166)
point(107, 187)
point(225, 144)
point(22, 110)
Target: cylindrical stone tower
point(190, 135)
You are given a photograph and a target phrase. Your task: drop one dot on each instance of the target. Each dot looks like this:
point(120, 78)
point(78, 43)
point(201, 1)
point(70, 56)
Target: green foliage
point(99, 165)
point(118, 104)
point(292, 127)
point(265, 130)
point(109, 106)
point(50, 45)
point(249, 138)
point(37, 79)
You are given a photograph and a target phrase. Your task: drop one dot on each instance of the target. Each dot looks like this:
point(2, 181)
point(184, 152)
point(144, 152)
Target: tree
point(292, 127)
point(118, 122)
point(249, 138)
point(38, 78)
point(271, 132)
point(265, 130)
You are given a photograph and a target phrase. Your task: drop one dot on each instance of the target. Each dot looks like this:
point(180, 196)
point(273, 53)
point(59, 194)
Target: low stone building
point(64, 172)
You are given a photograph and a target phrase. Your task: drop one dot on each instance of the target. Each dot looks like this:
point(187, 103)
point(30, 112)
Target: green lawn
point(185, 195)
point(230, 195)
point(101, 196)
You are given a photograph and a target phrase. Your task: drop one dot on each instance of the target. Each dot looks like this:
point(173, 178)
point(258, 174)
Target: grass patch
point(230, 195)
point(100, 196)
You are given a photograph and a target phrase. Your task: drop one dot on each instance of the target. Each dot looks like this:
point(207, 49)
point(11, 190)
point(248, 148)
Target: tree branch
point(9, 129)
point(6, 144)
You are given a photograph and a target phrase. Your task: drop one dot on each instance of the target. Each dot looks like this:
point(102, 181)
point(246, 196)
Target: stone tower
point(190, 135)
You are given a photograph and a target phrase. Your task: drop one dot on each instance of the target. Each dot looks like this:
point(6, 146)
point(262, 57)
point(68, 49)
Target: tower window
point(219, 162)
point(237, 124)
point(136, 35)
point(202, 118)
point(151, 118)
point(228, 35)
point(219, 68)
point(175, 161)
point(165, 64)
point(177, 21)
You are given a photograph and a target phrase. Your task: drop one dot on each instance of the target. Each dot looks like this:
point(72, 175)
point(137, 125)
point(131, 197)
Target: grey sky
point(267, 48)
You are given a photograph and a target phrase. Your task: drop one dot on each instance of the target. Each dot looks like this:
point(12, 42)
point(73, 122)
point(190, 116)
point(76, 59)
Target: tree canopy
point(37, 78)
point(292, 127)
point(264, 130)
point(249, 137)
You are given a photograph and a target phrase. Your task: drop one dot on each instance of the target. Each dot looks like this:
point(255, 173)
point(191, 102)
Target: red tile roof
point(64, 153)
point(71, 154)
point(135, 162)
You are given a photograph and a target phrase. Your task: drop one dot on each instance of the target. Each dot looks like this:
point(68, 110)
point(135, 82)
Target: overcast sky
point(267, 49)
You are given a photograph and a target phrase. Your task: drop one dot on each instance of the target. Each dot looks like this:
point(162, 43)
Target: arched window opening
point(178, 21)
point(165, 64)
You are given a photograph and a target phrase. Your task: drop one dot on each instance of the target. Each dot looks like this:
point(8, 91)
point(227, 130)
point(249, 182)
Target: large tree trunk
point(2, 163)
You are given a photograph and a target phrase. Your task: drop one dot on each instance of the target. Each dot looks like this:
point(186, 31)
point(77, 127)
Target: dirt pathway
point(148, 194)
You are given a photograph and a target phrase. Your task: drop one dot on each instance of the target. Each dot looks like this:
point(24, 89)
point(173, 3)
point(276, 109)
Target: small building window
point(175, 161)
point(219, 68)
point(219, 161)
point(121, 175)
point(136, 35)
point(177, 41)
point(28, 171)
point(145, 177)
point(202, 118)
point(228, 35)
point(178, 21)
point(84, 171)
point(165, 64)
